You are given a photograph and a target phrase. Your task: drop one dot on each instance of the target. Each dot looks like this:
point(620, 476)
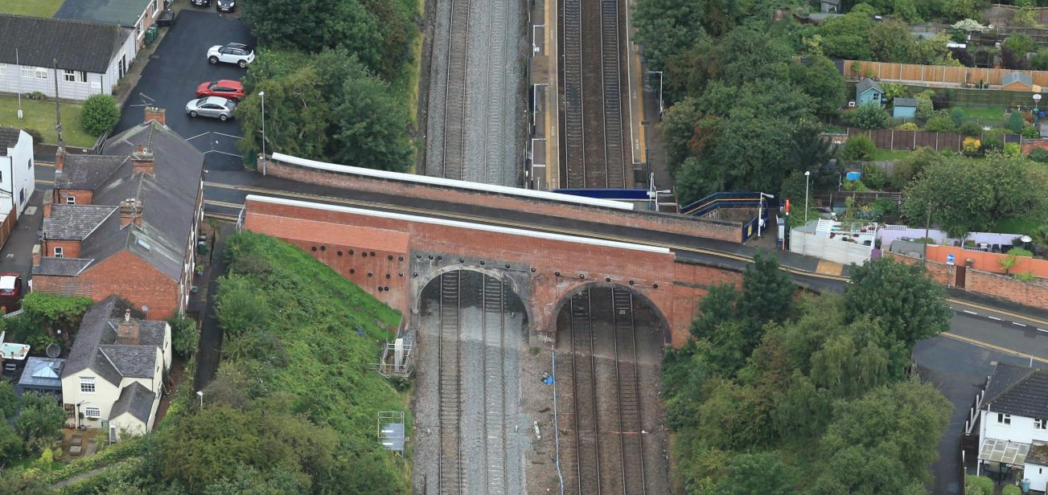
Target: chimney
point(142, 159)
point(130, 212)
point(36, 254)
point(48, 199)
point(154, 114)
point(59, 159)
point(127, 315)
point(127, 331)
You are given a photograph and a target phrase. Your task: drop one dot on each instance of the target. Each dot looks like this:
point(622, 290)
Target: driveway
point(170, 80)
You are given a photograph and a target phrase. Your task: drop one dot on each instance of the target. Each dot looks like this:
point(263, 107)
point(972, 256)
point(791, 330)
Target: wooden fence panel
point(911, 72)
point(904, 140)
point(882, 138)
point(936, 73)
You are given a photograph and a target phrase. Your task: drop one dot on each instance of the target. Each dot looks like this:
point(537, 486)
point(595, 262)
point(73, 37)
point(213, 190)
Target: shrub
point(874, 177)
point(1019, 252)
point(925, 107)
point(1016, 122)
point(1012, 150)
point(909, 126)
point(1038, 155)
point(971, 146)
point(35, 134)
point(1022, 277)
point(940, 122)
point(991, 144)
point(99, 114)
point(976, 485)
point(871, 116)
point(185, 335)
point(884, 208)
point(970, 129)
point(858, 148)
point(1030, 132)
point(957, 116)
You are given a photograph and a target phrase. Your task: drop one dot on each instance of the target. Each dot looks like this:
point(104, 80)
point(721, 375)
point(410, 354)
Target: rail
point(450, 470)
point(587, 429)
point(455, 99)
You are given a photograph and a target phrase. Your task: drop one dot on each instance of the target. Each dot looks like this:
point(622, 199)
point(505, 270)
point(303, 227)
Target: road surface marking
point(994, 318)
point(998, 348)
point(1018, 324)
point(970, 312)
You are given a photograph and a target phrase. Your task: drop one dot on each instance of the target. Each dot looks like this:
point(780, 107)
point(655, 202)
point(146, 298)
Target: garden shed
point(868, 91)
point(904, 108)
point(1017, 81)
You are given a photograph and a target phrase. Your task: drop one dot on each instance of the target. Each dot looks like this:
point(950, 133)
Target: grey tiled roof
point(120, 12)
point(136, 399)
point(131, 361)
point(867, 83)
point(77, 45)
point(1018, 390)
point(42, 373)
point(61, 267)
point(8, 138)
point(87, 171)
point(76, 222)
point(905, 102)
point(95, 332)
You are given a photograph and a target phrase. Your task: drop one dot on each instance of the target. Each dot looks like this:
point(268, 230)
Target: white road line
point(994, 318)
point(1039, 329)
point(1018, 324)
point(970, 312)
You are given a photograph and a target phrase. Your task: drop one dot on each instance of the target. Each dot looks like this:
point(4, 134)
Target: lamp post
point(200, 393)
point(927, 239)
point(659, 72)
point(760, 212)
point(807, 176)
point(1036, 100)
point(261, 94)
point(58, 113)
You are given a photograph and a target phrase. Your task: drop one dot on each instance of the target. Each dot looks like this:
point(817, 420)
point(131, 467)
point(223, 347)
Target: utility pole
point(58, 112)
point(927, 226)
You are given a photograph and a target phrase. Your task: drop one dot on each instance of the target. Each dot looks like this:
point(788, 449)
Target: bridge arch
point(663, 321)
point(420, 283)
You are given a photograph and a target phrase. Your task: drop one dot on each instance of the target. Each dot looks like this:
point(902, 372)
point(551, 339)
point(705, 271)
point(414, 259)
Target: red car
point(10, 292)
point(225, 88)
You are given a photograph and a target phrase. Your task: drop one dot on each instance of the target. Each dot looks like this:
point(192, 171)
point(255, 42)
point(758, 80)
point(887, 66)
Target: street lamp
point(261, 94)
point(659, 72)
point(1036, 100)
point(807, 176)
point(760, 212)
point(1026, 241)
point(200, 393)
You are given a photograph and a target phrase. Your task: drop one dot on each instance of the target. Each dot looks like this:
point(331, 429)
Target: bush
point(1038, 155)
point(909, 126)
point(1016, 122)
point(99, 114)
point(991, 144)
point(970, 129)
point(884, 208)
point(1022, 277)
point(1012, 150)
point(940, 122)
point(957, 116)
point(874, 177)
point(971, 146)
point(1019, 252)
point(858, 148)
point(1011, 490)
point(925, 107)
point(871, 116)
point(35, 134)
point(1030, 132)
point(185, 335)
point(978, 485)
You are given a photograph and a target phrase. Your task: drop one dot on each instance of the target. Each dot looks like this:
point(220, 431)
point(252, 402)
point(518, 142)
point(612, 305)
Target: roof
point(41, 372)
point(1038, 454)
point(99, 348)
point(1006, 451)
point(87, 172)
point(867, 84)
point(135, 399)
point(8, 137)
point(905, 102)
point(116, 12)
point(61, 267)
point(77, 45)
point(1018, 390)
point(75, 222)
point(1019, 77)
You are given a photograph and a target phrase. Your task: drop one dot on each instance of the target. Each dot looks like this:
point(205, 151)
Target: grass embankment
point(40, 116)
point(32, 8)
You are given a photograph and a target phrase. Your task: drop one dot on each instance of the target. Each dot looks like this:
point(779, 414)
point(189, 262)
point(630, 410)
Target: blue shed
point(868, 91)
point(904, 108)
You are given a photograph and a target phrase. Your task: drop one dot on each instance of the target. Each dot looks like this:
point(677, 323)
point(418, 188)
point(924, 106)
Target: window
point(69, 75)
point(30, 164)
point(87, 383)
point(1040, 424)
point(21, 195)
point(60, 254)
point(83, 76)
point(1004, 419)
point(3, 69)
point(70, 200)
point(37, 72)
point(92, 412)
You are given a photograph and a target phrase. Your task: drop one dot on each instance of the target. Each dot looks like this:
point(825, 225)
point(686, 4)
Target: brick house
point(125, 222)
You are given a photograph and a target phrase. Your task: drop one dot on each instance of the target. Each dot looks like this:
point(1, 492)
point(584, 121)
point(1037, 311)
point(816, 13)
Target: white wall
point(17, 173)
point(105, 395)
point(833, 250)
point(1038, 476)
point(11, 80)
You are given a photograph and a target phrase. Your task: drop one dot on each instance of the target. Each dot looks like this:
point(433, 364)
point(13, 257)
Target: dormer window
point(70, 200)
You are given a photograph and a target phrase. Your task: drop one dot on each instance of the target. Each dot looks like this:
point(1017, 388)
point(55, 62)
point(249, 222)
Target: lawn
point(32, 8)
point(40, 115)
point(985, 115)
point(881, 155)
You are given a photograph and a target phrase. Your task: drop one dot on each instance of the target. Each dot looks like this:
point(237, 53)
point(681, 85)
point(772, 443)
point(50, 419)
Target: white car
point(232, 53)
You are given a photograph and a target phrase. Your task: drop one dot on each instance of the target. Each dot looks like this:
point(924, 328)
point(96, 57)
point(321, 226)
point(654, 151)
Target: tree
point(1020, 44)
point(909, 304)
point(53, 310)
point(767, 296)
point(10, 445)
point(41, 419)
point(960, 10)
point(940, 122)
point(678, 128)
point(871, 116)
point(925, 107)
point(763, 473)
point(185, 335)
point(8, 400)
point(891, 41)
point(971, 129)
point(846, 36)
point(1008, 262)
point(371, 124)
point(824, 84)
point(716, 308)
point(99, 114)
point(1016, 122)
point(858, 148)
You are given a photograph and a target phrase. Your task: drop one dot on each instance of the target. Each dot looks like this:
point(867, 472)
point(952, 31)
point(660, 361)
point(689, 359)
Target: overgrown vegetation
point(810, 395)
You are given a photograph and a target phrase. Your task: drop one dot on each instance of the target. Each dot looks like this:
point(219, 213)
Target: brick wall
point(123, 274)
point(80, 196)
point(1032, 144)
point(712, 229)
point(690, 284)
point(70, 249)
point(383, 274)
point(991, 284)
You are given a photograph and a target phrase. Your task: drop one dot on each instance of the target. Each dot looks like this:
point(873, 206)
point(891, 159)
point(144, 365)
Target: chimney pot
point(127, 315)
point(154, 114)
point(142, 161)
point(59, 159)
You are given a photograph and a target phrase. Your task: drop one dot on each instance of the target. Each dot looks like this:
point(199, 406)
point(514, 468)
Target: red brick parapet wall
point(677, 224)
point(1004, 287)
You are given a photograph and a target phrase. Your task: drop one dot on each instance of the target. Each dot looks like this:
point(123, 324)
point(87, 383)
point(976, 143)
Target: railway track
point(496, 77)
point(450, 468)
point(611, 76)
point(494, 322)
point(453, 165)
point(631, 439)
point(587, 430)
point(574, 137)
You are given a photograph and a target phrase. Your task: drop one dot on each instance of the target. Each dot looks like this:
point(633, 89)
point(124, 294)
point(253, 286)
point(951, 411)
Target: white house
point(90, 57)
point(1013, 419)
point(17, 179)
point(113, 377)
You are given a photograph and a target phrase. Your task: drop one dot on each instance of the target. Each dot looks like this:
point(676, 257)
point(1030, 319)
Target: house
point(868, 91)
point(41, 375)
point(17, 179)
point(90, 57)
point(1017, 81)
point(125, 222)
point(135, 15)
point(1013, 419)
point(830, 6)
point(904, 108)
point(113, 377)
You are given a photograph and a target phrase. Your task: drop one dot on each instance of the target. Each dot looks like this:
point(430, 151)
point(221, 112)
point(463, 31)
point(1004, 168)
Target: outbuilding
point(868, 91)
point(904, 108)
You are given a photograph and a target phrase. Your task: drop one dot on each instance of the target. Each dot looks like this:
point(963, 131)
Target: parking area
point(177, 66)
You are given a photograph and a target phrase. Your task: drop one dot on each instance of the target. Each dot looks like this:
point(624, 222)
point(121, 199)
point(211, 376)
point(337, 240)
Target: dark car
point(201, 3)
point(226, 5)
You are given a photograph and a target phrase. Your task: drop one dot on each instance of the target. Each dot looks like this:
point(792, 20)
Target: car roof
point(7, 282)
point(228, 82)
point(217, 100)
point(237, 45)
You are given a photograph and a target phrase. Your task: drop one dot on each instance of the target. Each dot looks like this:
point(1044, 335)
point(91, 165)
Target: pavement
point(210, 351)
point(17, 254)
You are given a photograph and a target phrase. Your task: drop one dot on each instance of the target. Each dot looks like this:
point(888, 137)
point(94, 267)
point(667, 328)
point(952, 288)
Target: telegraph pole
point(58, 112)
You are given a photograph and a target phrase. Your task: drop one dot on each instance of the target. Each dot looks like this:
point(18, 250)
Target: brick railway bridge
point(546, 247)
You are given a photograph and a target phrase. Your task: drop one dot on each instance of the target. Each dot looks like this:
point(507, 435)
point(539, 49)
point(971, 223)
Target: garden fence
point(998, 14)
point(935, 74)
point(891, 139)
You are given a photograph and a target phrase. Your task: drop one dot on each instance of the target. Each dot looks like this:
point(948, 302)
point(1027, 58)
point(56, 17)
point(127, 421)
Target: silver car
point(211, 106)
